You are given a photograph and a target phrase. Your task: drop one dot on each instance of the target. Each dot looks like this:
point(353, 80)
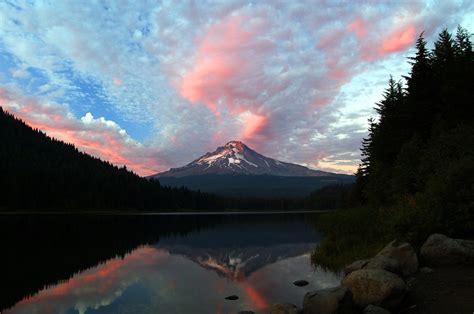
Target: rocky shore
point(393, 281)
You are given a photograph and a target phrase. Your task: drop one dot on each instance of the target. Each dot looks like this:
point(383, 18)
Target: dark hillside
point(41, 173)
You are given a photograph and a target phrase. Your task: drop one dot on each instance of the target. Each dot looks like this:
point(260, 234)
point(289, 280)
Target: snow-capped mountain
point(237, 158)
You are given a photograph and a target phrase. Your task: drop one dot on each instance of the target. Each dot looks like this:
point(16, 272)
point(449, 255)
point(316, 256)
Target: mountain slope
point(236, 170)
point(237, 158)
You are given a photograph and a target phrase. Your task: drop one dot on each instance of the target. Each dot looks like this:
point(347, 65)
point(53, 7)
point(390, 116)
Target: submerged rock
point(404, 254)
point(300, 283)
point(284, 308)
point(375, 286)
point(328, 301)
point(373, 309)
point(232, 297)
point(442, 250)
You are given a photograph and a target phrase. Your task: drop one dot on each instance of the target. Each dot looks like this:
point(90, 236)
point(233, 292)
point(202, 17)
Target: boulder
point(355, 266)
point(328, 301)
point(284, 308)
point(377, 262)
point(384, 263)
point(442, 250)
point(373, 309)
point(404, 254)
point(375, 286)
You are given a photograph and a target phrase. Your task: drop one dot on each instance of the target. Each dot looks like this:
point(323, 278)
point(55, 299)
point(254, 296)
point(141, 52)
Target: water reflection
point(258, 261)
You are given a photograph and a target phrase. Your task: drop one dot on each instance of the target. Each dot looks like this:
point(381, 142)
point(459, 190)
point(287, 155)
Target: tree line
point(416, 176)
point(38, 173)
point(419, 155)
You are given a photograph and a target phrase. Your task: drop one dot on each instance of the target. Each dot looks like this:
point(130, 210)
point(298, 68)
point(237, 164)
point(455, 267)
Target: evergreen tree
point(404, 163)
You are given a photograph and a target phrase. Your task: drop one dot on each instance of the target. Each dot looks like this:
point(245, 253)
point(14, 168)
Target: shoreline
point(186, 213)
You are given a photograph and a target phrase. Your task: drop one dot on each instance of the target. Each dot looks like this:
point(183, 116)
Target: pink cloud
point(358, 27)
point(96, 136)
point(399, 40)
point(229, 53)
point(217, 61)
point(253, 125)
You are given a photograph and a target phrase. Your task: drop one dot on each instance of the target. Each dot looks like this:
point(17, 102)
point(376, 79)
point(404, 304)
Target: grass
point(349, 235)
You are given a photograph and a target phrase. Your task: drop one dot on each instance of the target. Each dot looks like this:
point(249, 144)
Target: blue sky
point(155, 84)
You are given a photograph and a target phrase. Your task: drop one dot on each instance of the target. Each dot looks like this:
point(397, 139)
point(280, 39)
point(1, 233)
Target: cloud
point(399, 40)
point(227, 55)
point(187, 76)
point(96, 136)
point(358, 27)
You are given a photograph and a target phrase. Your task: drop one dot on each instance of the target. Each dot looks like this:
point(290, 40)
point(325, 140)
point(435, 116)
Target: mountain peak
point(236, 144)
point(237, 158)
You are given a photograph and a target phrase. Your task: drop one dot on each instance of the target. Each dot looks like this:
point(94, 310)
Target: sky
point(156, 84)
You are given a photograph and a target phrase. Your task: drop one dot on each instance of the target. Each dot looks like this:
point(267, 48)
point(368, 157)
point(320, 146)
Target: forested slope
point(41, 173)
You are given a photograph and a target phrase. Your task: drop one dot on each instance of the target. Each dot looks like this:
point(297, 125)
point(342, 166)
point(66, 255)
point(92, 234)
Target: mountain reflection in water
point(256, 258)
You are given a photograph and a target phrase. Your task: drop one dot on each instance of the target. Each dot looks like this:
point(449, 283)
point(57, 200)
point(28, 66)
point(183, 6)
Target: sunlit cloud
point(97, 136)
point(399, 40)
point(184, 76)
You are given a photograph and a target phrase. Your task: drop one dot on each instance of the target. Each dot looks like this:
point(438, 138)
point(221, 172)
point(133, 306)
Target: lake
point(157, 263)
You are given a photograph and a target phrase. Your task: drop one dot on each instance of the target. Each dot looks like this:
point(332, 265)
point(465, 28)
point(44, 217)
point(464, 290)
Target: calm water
point(157, 264)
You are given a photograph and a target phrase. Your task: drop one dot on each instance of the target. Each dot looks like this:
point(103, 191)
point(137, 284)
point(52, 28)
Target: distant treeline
point(417, 172)
point(326, 198)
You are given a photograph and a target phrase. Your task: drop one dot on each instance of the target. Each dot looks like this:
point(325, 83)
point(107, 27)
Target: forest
point(39, 173)
point(416, 176)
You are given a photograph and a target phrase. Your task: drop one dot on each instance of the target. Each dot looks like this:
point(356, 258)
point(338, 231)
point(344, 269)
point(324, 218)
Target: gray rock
point(384, 263)
point(328, 301)
point(439, 249)
point(284, 308)
point(373, 309)
point(232, 297)
point(355, 266)
point(377, 262)
point(404, 254)
point(300, 283)
point(426, 270)
point(375, 286)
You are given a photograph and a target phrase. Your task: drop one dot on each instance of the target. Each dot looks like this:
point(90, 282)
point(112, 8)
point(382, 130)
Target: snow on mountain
point(237, 158)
